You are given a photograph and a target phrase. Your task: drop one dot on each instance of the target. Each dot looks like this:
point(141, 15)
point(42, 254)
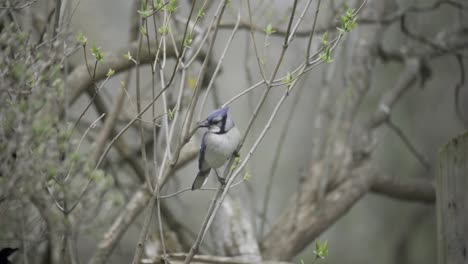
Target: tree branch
point(347, 179)
point(79, 79)
point(292, 233)
point(178, 258)
point(234, 231)
point(133, 208)
point(407, 78)
point(407, 189)
point(123, 221)
point(315, 216)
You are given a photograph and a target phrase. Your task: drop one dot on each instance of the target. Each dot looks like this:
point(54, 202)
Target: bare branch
point(79, 79)
point(409, 145)
point(19, 6)
point(282, 139)
point(406, 80)
point(234, 232)
point(205, 259)
point(133, 208)
point(291, 233)
point(407, 189)
point(317, 216)
point(364, 20)
point(110, 239)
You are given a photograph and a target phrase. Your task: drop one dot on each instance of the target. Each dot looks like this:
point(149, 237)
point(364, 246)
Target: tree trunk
point(452, 202)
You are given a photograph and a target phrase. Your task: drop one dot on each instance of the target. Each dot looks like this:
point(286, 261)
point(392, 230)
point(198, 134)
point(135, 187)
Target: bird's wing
point(201, 155)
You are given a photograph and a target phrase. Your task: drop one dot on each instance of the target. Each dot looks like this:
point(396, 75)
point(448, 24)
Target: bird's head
point(218, 121)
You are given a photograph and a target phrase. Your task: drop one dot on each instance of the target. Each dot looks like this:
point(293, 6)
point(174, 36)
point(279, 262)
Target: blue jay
point(218, 144)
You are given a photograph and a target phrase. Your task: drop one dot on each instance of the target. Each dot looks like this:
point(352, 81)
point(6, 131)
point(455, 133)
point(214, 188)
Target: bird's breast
point(219, 147)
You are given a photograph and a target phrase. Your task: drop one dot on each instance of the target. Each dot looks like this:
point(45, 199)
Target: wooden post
point(452, 202)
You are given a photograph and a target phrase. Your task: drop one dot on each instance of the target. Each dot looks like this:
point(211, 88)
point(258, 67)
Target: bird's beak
point(203, 123)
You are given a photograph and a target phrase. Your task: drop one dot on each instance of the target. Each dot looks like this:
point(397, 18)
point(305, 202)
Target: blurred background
point(324, 120)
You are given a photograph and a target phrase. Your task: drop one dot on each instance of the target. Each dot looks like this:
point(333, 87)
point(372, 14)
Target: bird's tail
point(200, 179)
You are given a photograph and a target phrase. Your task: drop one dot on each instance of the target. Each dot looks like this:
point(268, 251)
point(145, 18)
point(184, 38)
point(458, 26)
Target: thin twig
point(19, 7)
point(248, 90)
point(275, 163)
point(163, 172)
point(186, 127)
point(312, 31)
point(299, 20)
point(201, 189)
point(93, 125)
point(218, 66)
point(56, 26)
point(109, 146)
point(138, 104)
point(252, 35)
point(407, 142)
point(222, 190)
point(165, 120)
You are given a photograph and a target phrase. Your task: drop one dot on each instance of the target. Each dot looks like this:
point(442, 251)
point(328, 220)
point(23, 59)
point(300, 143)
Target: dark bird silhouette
point(5, 253)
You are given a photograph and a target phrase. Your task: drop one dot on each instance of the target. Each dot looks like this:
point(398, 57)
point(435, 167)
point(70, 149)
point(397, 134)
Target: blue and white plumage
point(218, 144)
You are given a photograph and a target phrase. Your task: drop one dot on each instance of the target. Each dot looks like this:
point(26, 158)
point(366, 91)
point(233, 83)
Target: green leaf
point(143, 31)
point(201, 13)
point(97, 53)
point(128, 56)
point(247, 176)
point(51, 171)
point(288, 79)
point(97, 175)
point(269, 30)
point(158, 5)
point(188, 40)
point(110, 73)
point(145, 13)
point(321, 249)
point(236, 162)
point(163, 30)
point(327, 55)
point(171, 113)
point(325, 38)
point(348, 21)
point(75, 156)
point(172, 7)
point(81, 39)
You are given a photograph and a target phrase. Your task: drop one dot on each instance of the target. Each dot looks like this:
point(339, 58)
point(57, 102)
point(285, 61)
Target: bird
point(218, 144)
point(5, 254)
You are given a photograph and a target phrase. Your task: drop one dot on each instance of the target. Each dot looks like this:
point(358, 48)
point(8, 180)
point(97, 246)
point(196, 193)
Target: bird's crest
point(218, 112)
